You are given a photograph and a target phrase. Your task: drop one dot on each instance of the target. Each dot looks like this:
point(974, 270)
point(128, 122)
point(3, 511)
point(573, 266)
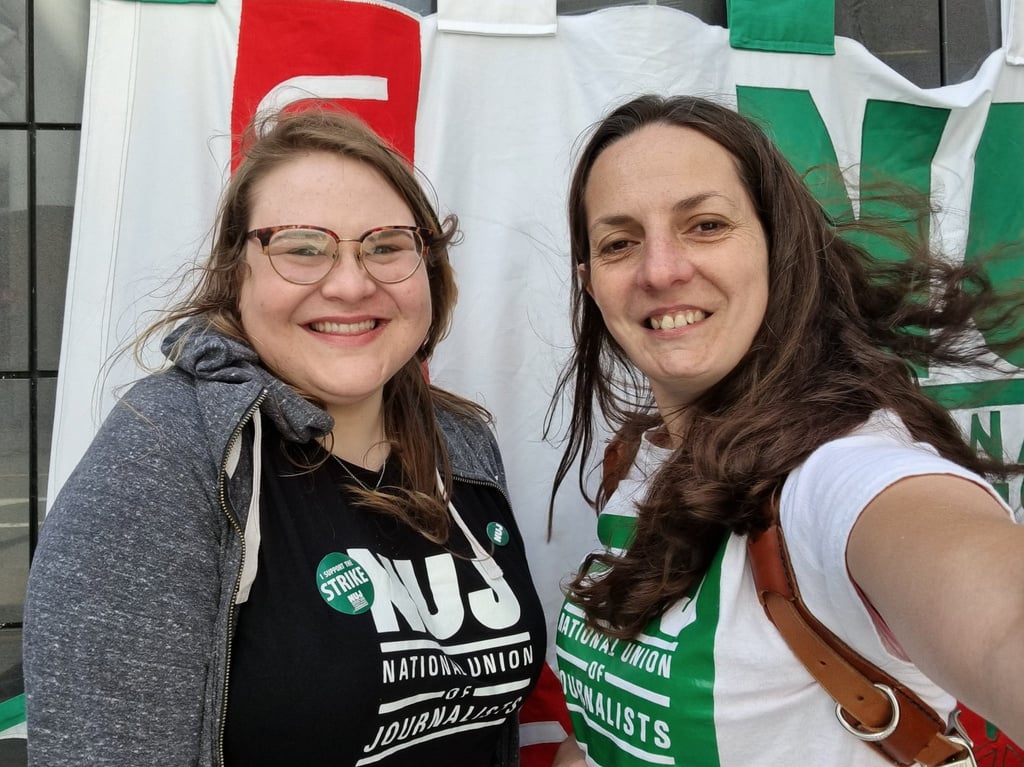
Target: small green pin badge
point(344, 584)
point(498, 533)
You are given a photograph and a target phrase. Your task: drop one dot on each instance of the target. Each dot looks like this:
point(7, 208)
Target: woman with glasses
point(288, 547)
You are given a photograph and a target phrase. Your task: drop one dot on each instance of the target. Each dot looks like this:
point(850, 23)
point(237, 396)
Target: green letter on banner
point(898, 143)
point(997, 214)
point(791, 119)
point(897, 146)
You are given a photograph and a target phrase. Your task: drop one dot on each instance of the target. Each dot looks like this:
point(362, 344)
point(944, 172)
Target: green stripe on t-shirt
point(649, 700)
point(615, 531)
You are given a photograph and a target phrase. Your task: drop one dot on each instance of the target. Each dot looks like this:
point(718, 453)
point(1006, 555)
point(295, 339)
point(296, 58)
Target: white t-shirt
point(712, 683)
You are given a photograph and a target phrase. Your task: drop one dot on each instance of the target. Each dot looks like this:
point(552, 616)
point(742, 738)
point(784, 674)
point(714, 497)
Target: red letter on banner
point(362, 57)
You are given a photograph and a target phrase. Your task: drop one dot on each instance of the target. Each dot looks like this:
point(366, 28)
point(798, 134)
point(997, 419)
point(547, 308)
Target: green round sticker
point(498, 533)
point(344, 584)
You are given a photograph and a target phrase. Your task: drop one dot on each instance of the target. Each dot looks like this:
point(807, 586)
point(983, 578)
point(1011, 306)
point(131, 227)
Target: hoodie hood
point(230, 378)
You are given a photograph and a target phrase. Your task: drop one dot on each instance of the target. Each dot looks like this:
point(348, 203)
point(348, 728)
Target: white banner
point(491, 122)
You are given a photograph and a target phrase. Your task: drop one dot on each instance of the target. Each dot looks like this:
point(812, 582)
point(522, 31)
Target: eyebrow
point(684, 204)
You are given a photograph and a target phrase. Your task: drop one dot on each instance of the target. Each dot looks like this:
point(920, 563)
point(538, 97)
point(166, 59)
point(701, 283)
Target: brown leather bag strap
point(860, 688)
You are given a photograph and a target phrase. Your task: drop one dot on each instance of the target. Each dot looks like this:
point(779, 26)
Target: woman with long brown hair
point(751, 357)
point(288, 547)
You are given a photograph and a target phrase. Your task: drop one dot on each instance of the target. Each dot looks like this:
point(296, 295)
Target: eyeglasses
point(304, 255)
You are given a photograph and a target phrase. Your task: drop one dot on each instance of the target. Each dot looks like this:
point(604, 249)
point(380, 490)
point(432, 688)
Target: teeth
point(677, 320)
point(343, 329)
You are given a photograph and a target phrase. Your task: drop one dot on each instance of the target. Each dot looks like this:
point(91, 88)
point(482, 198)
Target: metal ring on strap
point(873, 736)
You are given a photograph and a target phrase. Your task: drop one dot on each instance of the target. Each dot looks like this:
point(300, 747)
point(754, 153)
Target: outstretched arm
point(943, 564)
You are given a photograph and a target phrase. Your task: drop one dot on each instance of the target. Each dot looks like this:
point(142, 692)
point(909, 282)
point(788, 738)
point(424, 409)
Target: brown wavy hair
point(275, 139)
point(839, 339)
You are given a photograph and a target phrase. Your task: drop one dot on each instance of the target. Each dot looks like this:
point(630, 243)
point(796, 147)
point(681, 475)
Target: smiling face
point(342, 339)
point(678, 258)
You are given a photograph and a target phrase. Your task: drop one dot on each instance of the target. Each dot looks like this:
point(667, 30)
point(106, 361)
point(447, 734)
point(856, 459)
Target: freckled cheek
point(261, 318)
point(613, 305)
point(601, 286)
point(244, 309)
point(418, 305)
point(612, 301)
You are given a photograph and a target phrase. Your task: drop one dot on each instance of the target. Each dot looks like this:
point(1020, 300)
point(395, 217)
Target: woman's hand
point(569, 754)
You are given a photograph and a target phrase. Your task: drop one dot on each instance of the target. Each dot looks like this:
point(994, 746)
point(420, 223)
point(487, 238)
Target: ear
point(583, 272)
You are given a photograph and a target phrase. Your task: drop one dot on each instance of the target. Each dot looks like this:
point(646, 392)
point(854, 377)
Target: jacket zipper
point(490, 484)
point(485, 483)
point(222, 497)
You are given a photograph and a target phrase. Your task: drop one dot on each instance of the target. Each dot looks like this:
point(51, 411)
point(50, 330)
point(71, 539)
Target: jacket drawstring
point(252, 521)
point(487, 564)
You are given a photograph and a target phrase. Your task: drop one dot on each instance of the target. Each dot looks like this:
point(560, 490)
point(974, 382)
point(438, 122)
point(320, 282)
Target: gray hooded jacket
point(135, 583)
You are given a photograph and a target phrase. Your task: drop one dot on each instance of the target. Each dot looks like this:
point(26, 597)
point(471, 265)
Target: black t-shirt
point(362, 642)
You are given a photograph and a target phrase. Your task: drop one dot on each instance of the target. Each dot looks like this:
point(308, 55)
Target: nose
point(348, 280)
point(666, 261)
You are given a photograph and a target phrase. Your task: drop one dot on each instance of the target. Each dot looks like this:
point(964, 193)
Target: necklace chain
point(380, 477)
